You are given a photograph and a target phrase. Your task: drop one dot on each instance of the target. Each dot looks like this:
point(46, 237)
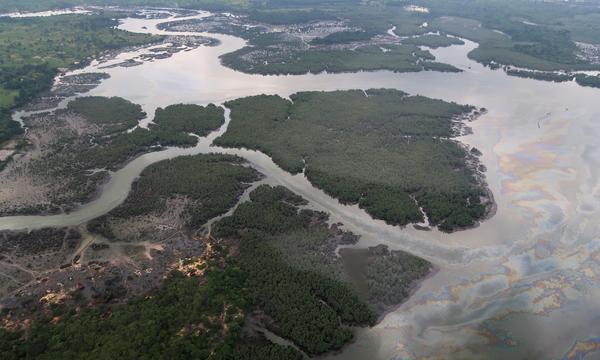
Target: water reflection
point(525, 284)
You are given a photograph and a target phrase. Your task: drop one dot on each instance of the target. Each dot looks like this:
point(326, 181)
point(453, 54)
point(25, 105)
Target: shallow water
point(524, 284)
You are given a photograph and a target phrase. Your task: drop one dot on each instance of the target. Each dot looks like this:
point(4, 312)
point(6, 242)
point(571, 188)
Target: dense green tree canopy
point(382, 149)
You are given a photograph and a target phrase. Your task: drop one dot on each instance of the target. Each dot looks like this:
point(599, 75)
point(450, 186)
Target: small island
point(392, 154)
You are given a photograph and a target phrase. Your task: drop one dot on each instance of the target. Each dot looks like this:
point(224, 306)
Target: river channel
point(524, 284)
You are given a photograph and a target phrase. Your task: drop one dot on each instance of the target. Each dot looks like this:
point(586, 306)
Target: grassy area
point(7, 98)
point(171, 127)
point(536, 35)
point(468, 28)
point(383, 151)
point(112, 116)
point(500, 48)
point(508, 56)
point(110, 144)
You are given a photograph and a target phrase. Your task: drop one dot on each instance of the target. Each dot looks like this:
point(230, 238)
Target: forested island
point(541, 75)
point(580, 78)
point(390, 153)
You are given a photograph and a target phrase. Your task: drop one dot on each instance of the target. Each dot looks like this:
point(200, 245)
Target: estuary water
point(524, 284)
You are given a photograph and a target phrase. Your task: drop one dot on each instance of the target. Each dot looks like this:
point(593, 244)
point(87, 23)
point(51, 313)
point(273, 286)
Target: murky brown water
point(525, 284)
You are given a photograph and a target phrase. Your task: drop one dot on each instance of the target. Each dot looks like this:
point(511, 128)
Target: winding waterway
point(525, 284)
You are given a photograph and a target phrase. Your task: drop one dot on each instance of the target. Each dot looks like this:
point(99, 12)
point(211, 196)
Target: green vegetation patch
point(7, 98)
point(387, 277)
point(8, 127)
point(532, 34)
point(202, 317)
point(310, 294)
point(267, 60)
point(541, 75)
point(310, 309)
point(189, 118)
point(32, 50)
point(171, 128)
point(378, 18)
point(386, 151)
point(110, 114)
point(186, 319)
point(468, 28)
point(275, 53)
point(210, 185)
point(588, 80)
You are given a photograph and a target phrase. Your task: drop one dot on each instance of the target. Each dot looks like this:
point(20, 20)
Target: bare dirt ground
point(89, 269)
point(29, 184)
